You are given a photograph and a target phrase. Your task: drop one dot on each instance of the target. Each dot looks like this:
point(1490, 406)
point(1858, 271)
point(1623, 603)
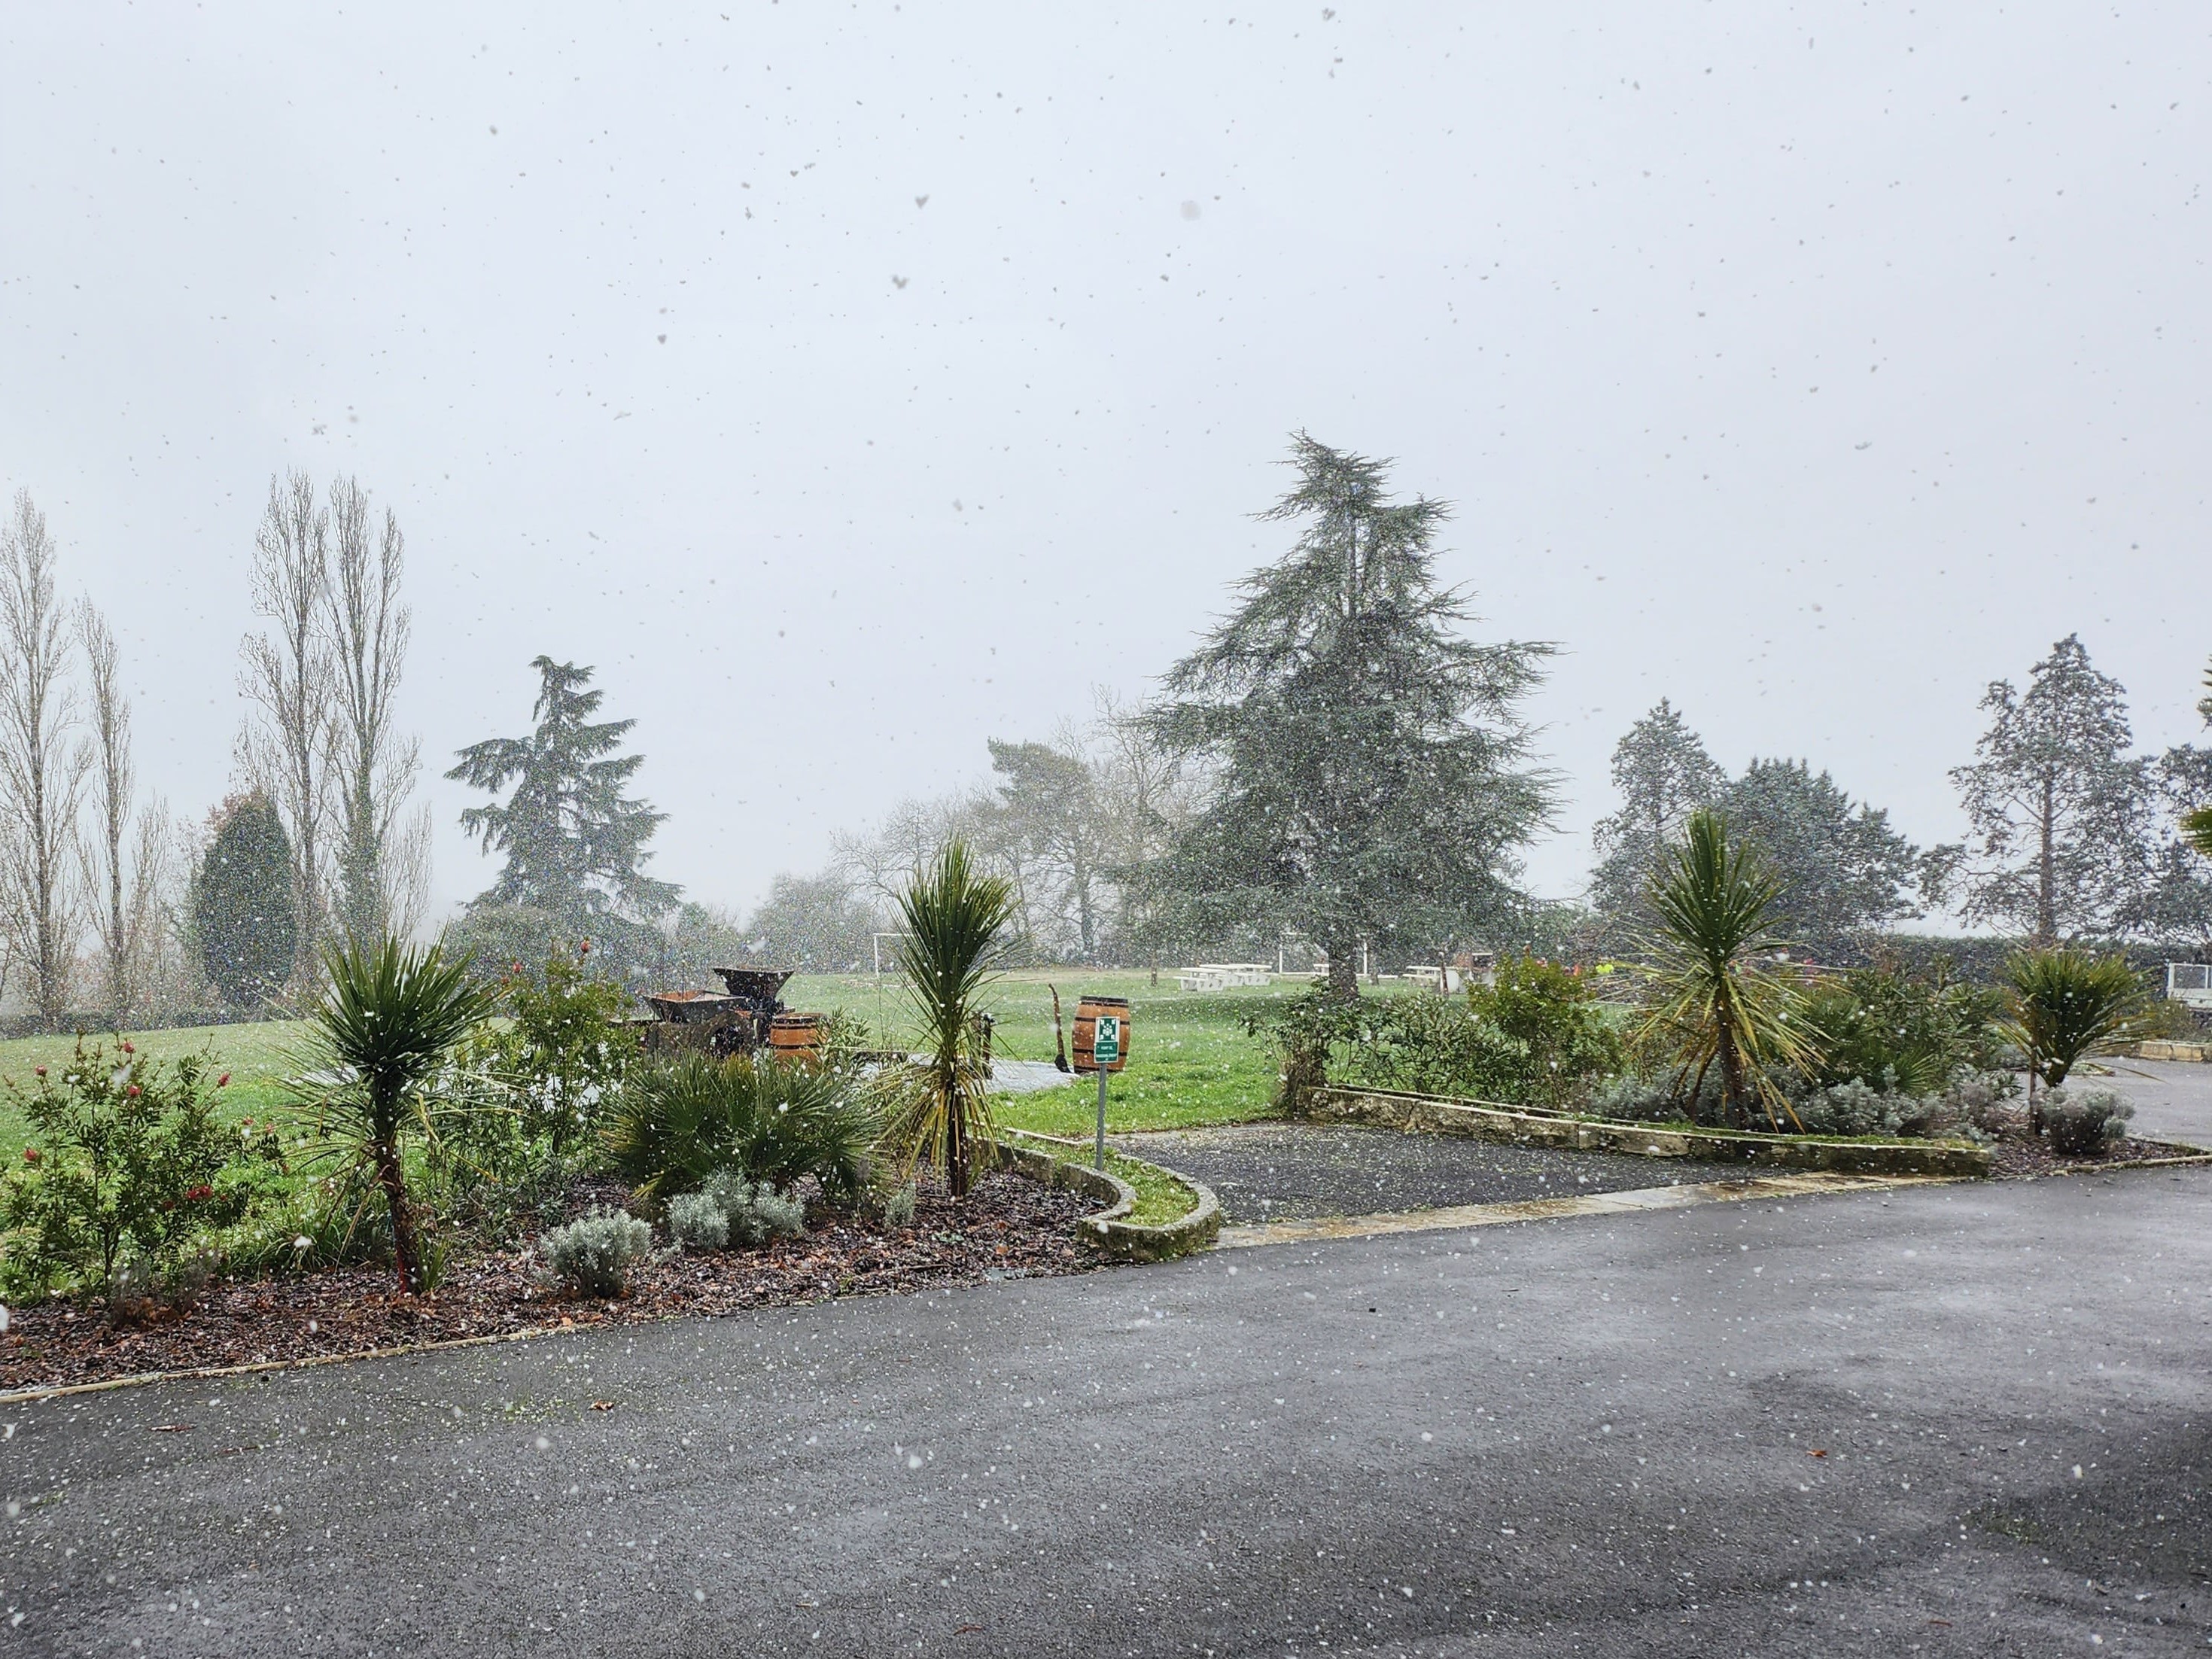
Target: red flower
point(30, 1155)
point(198, 1194)
point(132, 1091)
point(40, 1070)
point(223, 1082)
point(128, 1049)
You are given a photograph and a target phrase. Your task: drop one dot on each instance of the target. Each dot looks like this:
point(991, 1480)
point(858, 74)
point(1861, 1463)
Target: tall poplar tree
point(1369, 763)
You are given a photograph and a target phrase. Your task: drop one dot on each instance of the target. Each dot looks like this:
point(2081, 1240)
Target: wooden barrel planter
point(795, 1037)
point(1088, 1014)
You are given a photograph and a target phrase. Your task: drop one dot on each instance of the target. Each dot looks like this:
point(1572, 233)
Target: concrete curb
point(308, 1362)
point(1116, 1237)
point(1636, 1201)
point(1482, 1120)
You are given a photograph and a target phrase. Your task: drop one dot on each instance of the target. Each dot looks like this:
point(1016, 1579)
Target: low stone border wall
point(1117, 1237)
point(2199, 1052)
point(1434, 1114)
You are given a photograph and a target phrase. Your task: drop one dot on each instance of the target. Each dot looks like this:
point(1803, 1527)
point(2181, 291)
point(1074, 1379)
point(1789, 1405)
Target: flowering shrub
point(129, 1164)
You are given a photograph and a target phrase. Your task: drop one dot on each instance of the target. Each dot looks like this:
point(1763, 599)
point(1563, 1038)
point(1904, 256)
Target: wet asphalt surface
point(1282, 1171)
point(1969, 1419)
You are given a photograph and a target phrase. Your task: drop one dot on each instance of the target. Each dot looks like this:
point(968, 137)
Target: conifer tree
point(1369, 763)
point(572, 839)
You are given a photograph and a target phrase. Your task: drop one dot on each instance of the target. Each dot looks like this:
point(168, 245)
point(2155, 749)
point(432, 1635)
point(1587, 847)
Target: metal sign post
point(1102, 1045)
point(1105, 1054)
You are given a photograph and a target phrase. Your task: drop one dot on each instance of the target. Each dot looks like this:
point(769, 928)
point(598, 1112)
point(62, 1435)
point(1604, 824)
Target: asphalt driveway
point(1961, 1420)
point(1278, 1171)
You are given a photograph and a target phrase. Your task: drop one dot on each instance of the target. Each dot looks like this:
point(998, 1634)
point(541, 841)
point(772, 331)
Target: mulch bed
point(2017, 1156)
point(1007, 1227)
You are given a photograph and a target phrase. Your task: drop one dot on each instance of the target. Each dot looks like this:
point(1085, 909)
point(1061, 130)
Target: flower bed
point(1008, 1227)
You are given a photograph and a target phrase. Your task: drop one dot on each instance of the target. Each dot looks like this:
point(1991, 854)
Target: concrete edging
point(1117, 1237)
point(1484, 1121)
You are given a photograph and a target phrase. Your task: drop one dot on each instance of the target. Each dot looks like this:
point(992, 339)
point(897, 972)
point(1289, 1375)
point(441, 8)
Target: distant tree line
point(112, 911)
point(2072, 835)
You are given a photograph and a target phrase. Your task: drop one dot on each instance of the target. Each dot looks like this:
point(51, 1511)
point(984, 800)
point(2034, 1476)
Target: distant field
point(252, 1053)
point(1189, 1059)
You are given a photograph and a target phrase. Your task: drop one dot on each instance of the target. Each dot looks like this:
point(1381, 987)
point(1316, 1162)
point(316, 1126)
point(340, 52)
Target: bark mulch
point(2019, 1156)
point(1007, 1228)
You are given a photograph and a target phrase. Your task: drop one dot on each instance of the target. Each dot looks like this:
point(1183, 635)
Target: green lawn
point(1190, 1062)
point(252, 1054)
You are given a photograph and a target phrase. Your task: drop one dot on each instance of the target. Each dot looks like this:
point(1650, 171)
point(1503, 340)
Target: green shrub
point(1899, 1031)
point(127, 1161)
point(677, 1124)
point(1537, 1037)
point(593, 1254)
point(898, 1207)
point(2087, 1125)
point(1563, 1041)
point(563, 1055)
point(731, 1210)
point(698, 1221)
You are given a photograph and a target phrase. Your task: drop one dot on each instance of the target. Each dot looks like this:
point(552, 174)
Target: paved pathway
point(1956, 1419)
point(2170, 1097)
point(1275, 1171)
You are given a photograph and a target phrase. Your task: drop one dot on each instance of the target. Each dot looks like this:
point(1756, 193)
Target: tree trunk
point(406, 1254)
point(2046, 868)
point(956, 1143)
point(1732, 1078)
point(1343, 972)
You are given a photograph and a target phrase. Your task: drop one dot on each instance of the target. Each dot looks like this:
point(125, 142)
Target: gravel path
point(1278, 1171)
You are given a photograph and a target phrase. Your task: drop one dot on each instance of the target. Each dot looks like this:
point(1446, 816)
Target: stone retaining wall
point(2198, 1052)
point(1434, 1114)
point(1115, 1236)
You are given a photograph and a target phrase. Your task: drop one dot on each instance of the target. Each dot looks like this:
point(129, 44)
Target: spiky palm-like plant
point(769, 1120)
point(937, 1107)
point(392, 1014)
point(1710, 997)
point(2060, 1004)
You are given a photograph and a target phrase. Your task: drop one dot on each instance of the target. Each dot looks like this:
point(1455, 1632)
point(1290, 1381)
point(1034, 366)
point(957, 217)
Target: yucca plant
point(392, 1015)
point(2060, 1003)
point(1710, 996)
point(937, 1107)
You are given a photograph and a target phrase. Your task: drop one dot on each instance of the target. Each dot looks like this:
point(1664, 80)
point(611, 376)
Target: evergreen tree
point(1370, 764)
point(1842, 869)
point(2059, 809)
point(1663, 774)
point(572, 841)
point(244, 903)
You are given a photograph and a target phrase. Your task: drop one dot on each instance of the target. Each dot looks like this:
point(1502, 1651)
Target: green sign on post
point(1106, 1044)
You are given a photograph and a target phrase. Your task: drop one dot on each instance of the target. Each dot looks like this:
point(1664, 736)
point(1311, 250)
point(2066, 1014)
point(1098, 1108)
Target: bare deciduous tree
point(123, 860)
point(375, 768)
point(286, 748)
point(41, 769)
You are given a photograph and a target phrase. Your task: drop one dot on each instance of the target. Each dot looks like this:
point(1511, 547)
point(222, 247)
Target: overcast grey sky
point(852, 383)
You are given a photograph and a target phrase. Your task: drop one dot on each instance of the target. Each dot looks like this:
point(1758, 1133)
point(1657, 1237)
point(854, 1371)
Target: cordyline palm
point(1709, 995)
point(937, 1107)
point(391, 1016)
point(2061, 1003)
